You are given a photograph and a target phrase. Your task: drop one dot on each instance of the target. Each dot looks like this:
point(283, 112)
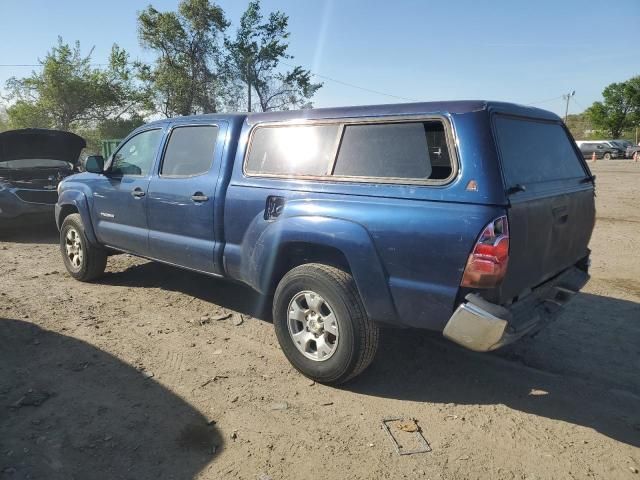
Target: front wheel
point(607, 156)
point(321, 324)
point(82, 260)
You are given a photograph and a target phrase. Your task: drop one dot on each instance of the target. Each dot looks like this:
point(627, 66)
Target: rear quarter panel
point(406, 245)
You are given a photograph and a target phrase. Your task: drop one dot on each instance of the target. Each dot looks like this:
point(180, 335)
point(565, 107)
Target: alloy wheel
point(73, 248)
point(313, 326)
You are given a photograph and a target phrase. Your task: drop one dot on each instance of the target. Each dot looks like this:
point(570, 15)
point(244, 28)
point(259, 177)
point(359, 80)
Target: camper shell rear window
point(534, 151)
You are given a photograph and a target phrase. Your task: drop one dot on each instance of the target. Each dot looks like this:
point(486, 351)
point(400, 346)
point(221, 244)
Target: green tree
point(255, 55)
point(620, 108)
point(108, 130)
point(68, 92)
point(4, 121)
point(184, 79)
point(580, 126)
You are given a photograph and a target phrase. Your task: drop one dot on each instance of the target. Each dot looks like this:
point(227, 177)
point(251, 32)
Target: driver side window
point(136, 156)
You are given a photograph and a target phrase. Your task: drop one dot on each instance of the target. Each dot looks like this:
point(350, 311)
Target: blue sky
point(523, 51)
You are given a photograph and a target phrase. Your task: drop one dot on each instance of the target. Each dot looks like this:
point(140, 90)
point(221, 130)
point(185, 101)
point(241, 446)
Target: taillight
point(487, 263)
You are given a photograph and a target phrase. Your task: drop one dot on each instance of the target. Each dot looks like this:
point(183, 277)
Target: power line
point(354, 86)
point(325, 77)
point(544, 101)
point(41, 65)
point(579, 104)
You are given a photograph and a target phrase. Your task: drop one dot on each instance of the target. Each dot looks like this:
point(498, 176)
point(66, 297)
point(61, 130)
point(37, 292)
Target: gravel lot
point(149, 374)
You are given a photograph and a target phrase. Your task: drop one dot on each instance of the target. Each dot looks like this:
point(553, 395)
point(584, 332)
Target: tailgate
point(551, 195)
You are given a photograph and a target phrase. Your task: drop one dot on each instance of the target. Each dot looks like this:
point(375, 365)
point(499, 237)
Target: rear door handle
point(199, 197)
point(138, 192)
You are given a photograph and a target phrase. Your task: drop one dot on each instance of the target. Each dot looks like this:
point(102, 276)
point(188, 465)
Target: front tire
point(607, 156)
point(83, 261)
point(321, 324)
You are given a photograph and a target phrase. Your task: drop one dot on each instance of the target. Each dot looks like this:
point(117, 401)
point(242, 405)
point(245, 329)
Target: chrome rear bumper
point(483, 326)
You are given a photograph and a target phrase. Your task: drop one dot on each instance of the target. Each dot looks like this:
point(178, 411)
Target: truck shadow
point(29, 231)
point(591, 352)
point(234, 296)
point(587, 363)
point(70, 410)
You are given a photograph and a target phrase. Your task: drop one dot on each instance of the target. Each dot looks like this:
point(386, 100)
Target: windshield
point(35, 163)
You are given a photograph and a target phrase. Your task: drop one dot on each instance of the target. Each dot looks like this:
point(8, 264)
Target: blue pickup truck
point(469, 218)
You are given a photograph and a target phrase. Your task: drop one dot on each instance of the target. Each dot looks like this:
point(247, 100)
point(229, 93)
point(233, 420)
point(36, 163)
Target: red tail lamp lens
point(487, 264)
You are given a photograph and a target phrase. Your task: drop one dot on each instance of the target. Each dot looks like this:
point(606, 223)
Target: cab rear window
point(534, 151)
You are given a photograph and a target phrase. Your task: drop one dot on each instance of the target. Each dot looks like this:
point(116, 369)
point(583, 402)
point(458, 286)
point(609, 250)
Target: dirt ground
point(141, 376)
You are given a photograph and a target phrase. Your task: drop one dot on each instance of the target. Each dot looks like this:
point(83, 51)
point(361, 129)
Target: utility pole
point(567, 97)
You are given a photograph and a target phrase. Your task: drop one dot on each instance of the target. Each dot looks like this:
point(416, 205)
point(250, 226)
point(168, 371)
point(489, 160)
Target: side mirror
point(94, 164)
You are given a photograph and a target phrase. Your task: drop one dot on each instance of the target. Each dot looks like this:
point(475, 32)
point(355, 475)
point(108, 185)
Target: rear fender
point(78, 200)
point(264, 247)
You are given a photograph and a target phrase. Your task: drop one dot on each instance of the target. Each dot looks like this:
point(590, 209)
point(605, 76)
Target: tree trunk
point(248, 90)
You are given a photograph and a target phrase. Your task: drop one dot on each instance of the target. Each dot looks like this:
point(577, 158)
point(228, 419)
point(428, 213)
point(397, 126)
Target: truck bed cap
point(418, 108)
point(443, 107)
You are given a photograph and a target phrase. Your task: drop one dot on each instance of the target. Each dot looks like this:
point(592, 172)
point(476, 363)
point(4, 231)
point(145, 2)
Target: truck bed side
point(405, 245)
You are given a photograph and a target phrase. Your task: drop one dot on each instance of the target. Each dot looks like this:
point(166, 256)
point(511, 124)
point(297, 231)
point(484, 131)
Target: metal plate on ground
point(422, 446)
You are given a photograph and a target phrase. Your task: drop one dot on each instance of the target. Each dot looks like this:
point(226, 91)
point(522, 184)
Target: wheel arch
point(294, 241)
point(72, 201)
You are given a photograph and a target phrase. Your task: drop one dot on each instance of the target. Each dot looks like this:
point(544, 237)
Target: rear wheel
point(82, 260)
point(607, 156)
point(321, 324)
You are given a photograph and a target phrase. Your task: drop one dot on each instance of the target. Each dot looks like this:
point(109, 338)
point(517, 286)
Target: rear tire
point(321, 324)
point(607, 156)
point(83, 261)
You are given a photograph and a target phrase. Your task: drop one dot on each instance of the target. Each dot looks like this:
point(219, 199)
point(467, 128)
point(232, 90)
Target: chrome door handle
point(138, 192)
point(199, 197)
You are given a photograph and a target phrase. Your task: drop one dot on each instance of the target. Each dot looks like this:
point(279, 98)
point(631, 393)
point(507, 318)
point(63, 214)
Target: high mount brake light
point(487, 263)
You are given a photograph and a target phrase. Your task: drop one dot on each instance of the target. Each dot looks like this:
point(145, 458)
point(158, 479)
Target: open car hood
point(34, 143)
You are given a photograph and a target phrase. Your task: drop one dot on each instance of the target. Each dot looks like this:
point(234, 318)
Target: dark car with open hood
point(32, 163)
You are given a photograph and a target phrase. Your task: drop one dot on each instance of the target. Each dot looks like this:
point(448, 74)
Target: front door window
point(136, 156)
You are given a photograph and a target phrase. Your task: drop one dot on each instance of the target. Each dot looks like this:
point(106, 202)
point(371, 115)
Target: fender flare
point(78, 200)
point(263, 252)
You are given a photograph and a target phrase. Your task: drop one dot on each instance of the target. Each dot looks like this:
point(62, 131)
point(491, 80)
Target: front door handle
point(199, 197)
point(138, 192)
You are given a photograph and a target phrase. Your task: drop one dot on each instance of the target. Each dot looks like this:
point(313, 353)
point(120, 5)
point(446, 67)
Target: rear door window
point(189, 151)
point(534, 151)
